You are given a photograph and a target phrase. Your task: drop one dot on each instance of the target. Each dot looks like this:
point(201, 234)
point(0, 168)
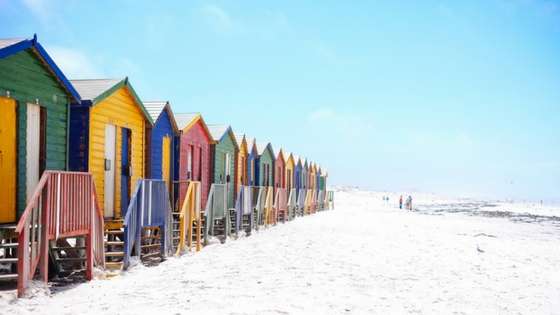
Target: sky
point(452, 97)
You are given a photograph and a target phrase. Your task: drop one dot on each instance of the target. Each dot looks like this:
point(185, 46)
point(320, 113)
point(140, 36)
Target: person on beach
point(400, 202)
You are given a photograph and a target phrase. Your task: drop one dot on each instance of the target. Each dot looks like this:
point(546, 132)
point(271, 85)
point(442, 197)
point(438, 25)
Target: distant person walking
point(400, 202)
point(409, 203)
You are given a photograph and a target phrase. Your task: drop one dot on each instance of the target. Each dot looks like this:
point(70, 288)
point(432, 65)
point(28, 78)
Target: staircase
point(176, 230)
point(69, 257)
point(62, 224)
point(217, 214)
point(152, 241)
point(8, 253)
point(114, 246)
point(233, 221)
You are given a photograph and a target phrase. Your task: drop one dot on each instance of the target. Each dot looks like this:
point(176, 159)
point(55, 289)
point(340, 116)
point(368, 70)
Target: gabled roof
point(13, 46)
point(186, 121)
point(93, 91)
point(297, 160)
point(155, 108)
point(288, 156)
point(281, 155)
point(219, 132)
point(251, 144)
point(241, 140)
point(261, 147)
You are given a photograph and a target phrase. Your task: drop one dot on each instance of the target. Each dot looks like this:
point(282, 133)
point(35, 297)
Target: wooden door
point(33, 148)
point(125, 168)
point(110, 168)
point(8, 169)
point(166, 160)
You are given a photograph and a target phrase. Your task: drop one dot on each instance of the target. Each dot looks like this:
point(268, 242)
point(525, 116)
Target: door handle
point(107, 165)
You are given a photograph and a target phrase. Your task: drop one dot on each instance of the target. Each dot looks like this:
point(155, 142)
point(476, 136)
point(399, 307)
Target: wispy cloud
point(217, 17)
point(74, 63)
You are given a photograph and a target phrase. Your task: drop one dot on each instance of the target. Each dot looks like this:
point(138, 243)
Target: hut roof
point(261, 147)
point(94, 91)
point(155, 108)
point(11, 46)
point(218, 133)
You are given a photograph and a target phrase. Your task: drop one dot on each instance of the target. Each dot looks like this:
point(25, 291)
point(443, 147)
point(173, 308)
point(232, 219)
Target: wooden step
point(67, 247)
point(113, 265)
point(71, 259)
point(114, 232)
point(9, 245)
point(151, 255)
point(151, 246)
point(8, 260)
point(114, 254)
point(113, 243)
point(10, 276)
point(152, 237)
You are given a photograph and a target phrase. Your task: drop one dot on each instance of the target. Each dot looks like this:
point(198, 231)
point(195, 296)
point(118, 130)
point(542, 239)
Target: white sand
point(363, 258)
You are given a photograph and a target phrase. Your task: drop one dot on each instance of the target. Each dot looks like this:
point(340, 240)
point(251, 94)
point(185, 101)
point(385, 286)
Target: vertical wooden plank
point(33, 148)
point(110, 169)
point(8, 168)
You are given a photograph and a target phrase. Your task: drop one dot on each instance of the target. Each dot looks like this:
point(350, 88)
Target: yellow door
point(7, 160)
point(166, 160)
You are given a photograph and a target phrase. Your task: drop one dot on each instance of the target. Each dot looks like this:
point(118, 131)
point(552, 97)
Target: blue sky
point(453, 97)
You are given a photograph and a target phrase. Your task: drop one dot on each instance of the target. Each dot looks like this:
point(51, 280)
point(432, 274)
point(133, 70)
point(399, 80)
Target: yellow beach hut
point(108, 128)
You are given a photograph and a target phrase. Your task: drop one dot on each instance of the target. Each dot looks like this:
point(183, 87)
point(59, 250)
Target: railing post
point(140, 221)
point(44, 239)
point(23, 260)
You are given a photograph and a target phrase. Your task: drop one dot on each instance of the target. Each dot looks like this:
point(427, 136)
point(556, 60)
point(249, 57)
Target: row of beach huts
point(91, 176)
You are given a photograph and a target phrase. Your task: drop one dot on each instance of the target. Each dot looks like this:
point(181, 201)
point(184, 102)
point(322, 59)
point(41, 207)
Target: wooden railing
point(301, 201)
point(269, 215)
point(321, 200)
point(314, 202)
point(189, 214)
point(292, 203)
point(243, 206)
point(64, 204)
point(330, 200)
point(308, 201)
point(216, 209)
point(259, 199)
point(148, 207)
point(280, 204)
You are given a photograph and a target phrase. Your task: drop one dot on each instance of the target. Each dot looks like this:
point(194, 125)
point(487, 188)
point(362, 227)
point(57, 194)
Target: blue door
point(125, 170)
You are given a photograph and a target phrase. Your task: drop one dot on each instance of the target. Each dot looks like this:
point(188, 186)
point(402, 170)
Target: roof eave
point(42, 54)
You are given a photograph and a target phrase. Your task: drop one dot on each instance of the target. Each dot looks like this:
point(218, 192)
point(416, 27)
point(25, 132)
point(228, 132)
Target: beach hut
point(290, 184)
point(161, 144)
point(265, 165)
point(107, 136)
point(290, 171)
point(195, 155)
point(224, 151)
point(34, 108)
point(242, 163)
point(34, 103)
point(265, 178)
point(305, 174)
point(298, 168)
point(280, 193)
point(280, 170)
point(108, 139)
point(252, 158)
point(298, 179)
